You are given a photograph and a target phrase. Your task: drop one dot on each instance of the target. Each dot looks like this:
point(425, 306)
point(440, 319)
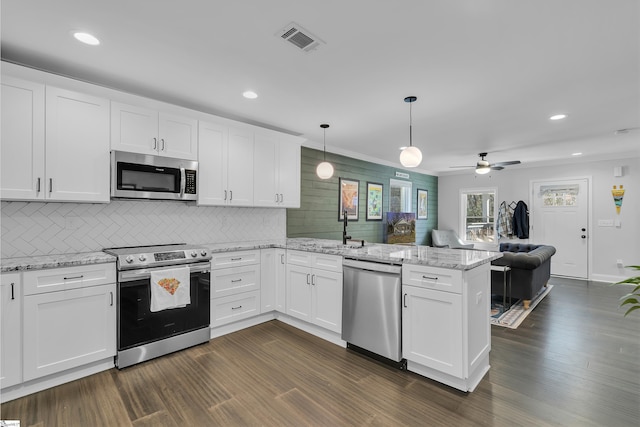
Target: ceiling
point(487, 74)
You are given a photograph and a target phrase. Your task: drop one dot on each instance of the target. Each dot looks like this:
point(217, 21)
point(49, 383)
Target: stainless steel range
point(149, 326)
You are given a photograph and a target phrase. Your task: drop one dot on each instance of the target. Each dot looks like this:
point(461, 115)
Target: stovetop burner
point(136, 257)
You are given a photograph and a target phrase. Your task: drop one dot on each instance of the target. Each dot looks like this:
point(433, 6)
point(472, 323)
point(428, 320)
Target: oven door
point(138, 325)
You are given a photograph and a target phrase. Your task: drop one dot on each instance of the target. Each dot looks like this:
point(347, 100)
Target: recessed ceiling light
point(86, 38)
point(558, 117)
point(249, 94)
point(576, 154)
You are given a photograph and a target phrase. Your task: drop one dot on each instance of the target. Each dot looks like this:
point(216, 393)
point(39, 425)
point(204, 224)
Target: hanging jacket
point(521, 220)
point(505, 220)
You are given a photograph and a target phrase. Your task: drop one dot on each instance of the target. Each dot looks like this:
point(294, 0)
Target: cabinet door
point(22, 149)
point(67, 329)
point(178, 136)
point(272, 280)
point(327, 299)
point(240, 167)
point(212, 159)
point(289, 174)
point(299, 292)
point(265, 192)
point(281, 280)
point(11, 328)
point(432, 329)
point(134, 129)
point(77, 148)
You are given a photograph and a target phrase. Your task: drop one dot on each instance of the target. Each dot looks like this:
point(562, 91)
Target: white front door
point(560, 218)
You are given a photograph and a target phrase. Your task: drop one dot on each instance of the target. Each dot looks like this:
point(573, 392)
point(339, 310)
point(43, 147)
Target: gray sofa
point(530, 270)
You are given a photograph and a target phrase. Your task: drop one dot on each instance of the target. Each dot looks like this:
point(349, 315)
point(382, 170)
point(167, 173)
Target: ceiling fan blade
point(462, 166)
point(496, 168)
point(513, 162)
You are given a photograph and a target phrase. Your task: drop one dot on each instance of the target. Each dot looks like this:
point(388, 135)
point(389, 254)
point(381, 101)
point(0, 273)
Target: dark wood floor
point(574, 361)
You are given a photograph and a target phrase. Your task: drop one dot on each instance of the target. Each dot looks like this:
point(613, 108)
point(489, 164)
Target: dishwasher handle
point(372, 266)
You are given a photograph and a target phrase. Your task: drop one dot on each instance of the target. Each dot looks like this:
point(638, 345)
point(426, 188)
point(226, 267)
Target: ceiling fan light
point(411, 157)
point(324, 170)
point(481, 170)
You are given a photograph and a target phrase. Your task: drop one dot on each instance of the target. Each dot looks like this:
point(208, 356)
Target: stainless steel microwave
point(143, 176)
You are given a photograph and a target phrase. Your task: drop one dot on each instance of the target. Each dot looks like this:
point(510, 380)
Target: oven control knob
point(142, 257)
point(203, 253)
point(129, 259)
point(194, 254)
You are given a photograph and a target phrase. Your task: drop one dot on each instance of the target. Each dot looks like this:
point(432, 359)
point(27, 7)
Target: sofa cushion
point(524, 256)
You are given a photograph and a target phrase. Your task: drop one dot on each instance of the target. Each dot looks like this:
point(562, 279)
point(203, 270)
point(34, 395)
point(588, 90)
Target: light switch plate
point(605, 223)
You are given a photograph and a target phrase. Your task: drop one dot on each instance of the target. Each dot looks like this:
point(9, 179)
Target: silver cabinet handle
point(281, 258)
point(155, 143)
point(276, 197)
point(236, 259)
point(313, 279)
point(429, 278)
point(225, 194)
point(12, 294)
point(404, 301)
point(281, 198)
point(111, 299)
point(74, 277)
point(236, 280)
point(308, 283)
point(163, 145)
point(50, 185)
point(235, 308)
point(38, 186)
point(230, 195)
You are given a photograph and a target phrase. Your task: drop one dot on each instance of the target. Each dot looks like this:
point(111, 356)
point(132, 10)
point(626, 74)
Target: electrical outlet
point(620, 263)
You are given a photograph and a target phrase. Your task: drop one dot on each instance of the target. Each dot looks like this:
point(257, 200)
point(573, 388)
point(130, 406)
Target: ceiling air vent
point(299, 37)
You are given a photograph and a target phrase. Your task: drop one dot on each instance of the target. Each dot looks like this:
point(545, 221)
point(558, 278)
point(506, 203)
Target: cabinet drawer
point(231, 281)
point(442, 279)
point(229, 309)
point(234, 259)
point(65, 278)
point(315, 260)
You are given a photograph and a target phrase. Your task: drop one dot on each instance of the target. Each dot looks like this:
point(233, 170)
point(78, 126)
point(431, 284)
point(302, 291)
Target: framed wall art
point(374, 201)
point(422, 204)
point(348, 194)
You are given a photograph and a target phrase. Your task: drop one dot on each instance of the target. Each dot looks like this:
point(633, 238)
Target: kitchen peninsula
point(445, 301)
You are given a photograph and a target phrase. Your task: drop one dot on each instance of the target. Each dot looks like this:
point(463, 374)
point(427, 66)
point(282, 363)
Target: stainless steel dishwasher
point(371, 310)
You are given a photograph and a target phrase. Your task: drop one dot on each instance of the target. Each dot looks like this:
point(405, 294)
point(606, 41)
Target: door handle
point(404, 301)
point(313, 279)
point(50, 185)
point(111, 299)
point(276, 197)
point(230, 195)
point(183, 182)
point(12, 294)
point(225, 194)
point(163, 145)
point(155, 143)
point(308, 283)
point(281, 258)
point(583, 236)
point(38, 186)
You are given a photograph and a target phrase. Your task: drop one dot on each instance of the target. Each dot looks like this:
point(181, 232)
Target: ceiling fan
point(483, 166)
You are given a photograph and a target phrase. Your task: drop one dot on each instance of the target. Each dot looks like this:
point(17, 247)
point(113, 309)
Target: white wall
point(607, 244)
point(37, 228)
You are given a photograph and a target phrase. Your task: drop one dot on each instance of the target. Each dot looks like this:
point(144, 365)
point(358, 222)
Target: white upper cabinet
point(22, 171)
point(225, 160)
point(276, 171)
point(64, 157)
point(147, 131)
point(77, 147)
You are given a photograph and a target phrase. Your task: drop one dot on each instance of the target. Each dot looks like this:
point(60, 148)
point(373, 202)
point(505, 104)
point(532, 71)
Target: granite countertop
point(459, 259)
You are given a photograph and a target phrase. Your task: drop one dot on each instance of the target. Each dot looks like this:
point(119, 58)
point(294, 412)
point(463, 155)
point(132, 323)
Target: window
point(478, 215)
point(559, 196)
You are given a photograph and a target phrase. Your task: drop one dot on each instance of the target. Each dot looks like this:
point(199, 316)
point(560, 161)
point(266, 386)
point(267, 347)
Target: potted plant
point(632, 299)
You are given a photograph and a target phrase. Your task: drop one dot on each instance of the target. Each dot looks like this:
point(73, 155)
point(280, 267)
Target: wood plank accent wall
point(318, 213)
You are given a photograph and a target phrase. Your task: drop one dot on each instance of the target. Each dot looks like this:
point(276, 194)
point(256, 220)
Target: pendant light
point(411, 156)
point(324, 169)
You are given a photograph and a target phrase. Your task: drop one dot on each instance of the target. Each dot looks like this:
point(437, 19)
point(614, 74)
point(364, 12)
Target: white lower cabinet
point(235, 286)
point(11, 329)
point(68, 328)
point(273, 280)
point(446, 333)
point(314, 288)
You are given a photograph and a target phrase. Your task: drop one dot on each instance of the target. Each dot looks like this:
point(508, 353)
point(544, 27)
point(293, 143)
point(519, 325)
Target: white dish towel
point(170, 288)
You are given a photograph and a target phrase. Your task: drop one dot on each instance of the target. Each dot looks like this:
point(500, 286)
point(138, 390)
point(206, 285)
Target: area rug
point(514, 316)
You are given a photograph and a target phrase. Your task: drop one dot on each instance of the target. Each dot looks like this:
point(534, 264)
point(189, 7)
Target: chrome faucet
point(344, 230)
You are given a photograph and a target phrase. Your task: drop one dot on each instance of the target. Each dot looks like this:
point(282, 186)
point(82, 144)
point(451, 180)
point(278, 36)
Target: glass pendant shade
point(324, 170)
point(411, 157)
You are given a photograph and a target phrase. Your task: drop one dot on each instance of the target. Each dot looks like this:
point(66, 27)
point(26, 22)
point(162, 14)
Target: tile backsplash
point(38, 228)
